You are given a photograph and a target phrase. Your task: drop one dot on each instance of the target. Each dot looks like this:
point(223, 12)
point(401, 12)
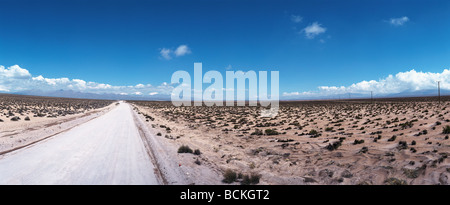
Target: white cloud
point(101, 86)
point(39, 78)
point(399, 21)
point(14, 71)
point(164, 84)
point(165, 53)
point(168, 54)
point(298, 94)
point(80, 84)
point(16, 79)
point(401, 82)
point(53, 81)
point(296, 19)
point(153, 93)
point(182, 50)
point(313, 30)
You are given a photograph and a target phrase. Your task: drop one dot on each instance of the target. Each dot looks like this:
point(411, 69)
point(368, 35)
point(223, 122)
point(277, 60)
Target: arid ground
point(358, 141)
point(385, 141)
point(27, 119)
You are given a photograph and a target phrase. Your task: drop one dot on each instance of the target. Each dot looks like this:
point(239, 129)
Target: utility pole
point(439, 92)
point(371, 96)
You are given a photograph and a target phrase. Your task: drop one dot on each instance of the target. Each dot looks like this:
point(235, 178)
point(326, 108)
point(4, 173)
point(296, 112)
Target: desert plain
point(353, 141)
point(394, 141)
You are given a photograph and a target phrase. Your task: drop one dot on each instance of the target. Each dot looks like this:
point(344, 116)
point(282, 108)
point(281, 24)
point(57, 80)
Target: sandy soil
point(389, 141)
point(16, 134)
point(175, 168)
point(386, 142)
point(106, 150)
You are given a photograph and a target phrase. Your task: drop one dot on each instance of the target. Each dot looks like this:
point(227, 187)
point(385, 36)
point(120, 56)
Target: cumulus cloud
point(165, 53)
point(181, 50)
point(401, 82)
point(16, 79)
point(398, 21)
point(52, 81)
point(304, 94)
point(296, 19)
point(313, 30)
point(14, 72)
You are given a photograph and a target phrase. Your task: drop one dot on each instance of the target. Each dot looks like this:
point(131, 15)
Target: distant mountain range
point(420, 93)
point(106, 96)
point(160, 97)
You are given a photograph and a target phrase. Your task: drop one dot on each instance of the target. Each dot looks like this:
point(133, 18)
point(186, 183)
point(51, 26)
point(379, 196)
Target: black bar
point(237, 194)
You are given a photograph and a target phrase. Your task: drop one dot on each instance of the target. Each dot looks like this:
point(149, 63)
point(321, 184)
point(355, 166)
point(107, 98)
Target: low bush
point(358, 142)
point(229, 176)
point(333, 146)
point(257, 132)
point(271, 132)
point(395, 181)
point(250, 179)
point(15, 118)
point(446, 129)
point(402, 145)
point(392, 138)
point(313, 132)
point(184, 149)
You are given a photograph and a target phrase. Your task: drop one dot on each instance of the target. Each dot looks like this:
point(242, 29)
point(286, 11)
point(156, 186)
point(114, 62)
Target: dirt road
point(105, 150)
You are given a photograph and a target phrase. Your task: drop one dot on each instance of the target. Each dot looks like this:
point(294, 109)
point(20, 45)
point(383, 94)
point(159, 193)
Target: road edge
point(167, 171)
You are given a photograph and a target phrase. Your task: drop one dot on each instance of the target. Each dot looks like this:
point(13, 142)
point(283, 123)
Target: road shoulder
point(175, 168)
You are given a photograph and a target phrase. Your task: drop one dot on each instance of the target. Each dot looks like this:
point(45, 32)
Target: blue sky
point(318, 46)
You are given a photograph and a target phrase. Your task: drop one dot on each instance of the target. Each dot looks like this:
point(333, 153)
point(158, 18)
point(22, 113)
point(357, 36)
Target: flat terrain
point(105, 150)
point(27, 119)
point(387, 141)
